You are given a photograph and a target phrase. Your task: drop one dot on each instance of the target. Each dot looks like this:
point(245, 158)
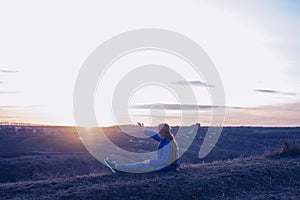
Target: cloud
point(158, 116)
point(8, 71)
point(8, 92)
point(8, 117)
point(275, 92)
point(19, 114)
point(16, 107)
point(179, 106)
point(194, 83)
point(273, 115)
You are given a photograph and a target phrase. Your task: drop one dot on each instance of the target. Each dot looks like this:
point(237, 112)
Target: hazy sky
point(255, 46)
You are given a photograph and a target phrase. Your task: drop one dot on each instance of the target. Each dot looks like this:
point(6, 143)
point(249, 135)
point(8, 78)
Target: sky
point(254, 45)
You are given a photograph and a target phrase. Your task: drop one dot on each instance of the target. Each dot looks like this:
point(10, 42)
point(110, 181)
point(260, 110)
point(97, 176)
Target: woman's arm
point(153, 134)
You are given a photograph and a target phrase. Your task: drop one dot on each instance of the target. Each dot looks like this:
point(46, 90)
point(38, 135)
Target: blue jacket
point(163, 153)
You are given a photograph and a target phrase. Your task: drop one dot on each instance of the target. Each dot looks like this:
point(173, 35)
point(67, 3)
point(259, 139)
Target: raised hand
point(140, 124)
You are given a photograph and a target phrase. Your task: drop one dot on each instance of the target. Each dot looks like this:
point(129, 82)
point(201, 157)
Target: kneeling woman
point(167, 155)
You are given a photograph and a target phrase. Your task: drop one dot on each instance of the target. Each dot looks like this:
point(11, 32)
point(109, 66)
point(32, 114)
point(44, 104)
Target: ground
point(247, 178)
point(247, 163)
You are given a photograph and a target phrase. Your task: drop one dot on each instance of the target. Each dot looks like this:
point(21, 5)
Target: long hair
point(174, 154)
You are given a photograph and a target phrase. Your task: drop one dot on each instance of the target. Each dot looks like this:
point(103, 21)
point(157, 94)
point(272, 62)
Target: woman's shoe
point(110, 164)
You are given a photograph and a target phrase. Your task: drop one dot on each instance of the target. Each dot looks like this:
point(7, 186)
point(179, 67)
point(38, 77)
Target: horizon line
point(113, 125)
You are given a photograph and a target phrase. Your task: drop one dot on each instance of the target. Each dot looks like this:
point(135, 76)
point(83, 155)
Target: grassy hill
point(51, 163)
point(246, 178)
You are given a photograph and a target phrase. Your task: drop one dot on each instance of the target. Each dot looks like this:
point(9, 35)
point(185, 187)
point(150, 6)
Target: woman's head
point(163, 130)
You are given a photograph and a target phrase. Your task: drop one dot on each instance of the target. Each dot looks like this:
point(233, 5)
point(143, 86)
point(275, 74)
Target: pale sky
point(254, 45)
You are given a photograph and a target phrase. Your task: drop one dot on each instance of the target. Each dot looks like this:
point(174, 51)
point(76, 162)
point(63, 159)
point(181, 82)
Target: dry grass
point(243, 178)
point(288, 149)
